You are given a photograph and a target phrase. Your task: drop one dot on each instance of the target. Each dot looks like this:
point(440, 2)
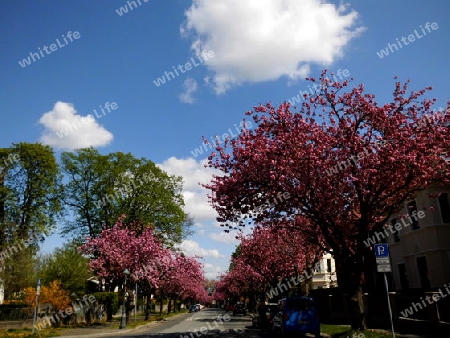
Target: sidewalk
point(101, 331)
point(399, 335)
point(388, 333)
point(105, 329)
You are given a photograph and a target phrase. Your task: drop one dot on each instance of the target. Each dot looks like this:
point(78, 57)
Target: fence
point(11, 312)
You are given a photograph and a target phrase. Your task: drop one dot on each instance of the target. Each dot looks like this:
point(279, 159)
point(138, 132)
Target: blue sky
point(256, 51)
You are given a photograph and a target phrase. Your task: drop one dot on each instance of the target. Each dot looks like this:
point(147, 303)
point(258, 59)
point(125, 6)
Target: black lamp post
point(123, 324)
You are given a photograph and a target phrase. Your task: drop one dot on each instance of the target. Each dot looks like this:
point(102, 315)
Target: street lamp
point(123, 324)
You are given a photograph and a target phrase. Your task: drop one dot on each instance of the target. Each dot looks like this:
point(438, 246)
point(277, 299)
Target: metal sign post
point(38, 291)
point(384, 265)
point(135, 302)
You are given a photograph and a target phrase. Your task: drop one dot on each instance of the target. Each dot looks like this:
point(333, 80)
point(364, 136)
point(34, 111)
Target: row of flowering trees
point(348, 162)
point(265, 259)
point(155, 268)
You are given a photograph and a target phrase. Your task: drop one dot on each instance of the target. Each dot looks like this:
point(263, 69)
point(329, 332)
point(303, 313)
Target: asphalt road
point(205, 323)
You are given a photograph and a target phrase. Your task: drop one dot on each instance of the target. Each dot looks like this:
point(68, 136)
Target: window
point(317, 267)
point(329, 265)
point(396, 237)
point(412, 206)
point(403, 278)
point(422, 268)
point(444, 205)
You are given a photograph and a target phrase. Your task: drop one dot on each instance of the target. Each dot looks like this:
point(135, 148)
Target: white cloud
point(224, 237)
point(195, 196)
point(65, 129)
point(263, 40)
point(190, 86)
point(212, 271)
point(192, 248)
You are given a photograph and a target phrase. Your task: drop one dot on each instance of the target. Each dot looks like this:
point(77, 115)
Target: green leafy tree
point(18, 272)
point(68, 266)
point(101, 188)
point(30, 192)
point(235, 255)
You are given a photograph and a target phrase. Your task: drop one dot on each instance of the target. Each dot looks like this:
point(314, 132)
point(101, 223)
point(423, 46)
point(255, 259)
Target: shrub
point(111, 302)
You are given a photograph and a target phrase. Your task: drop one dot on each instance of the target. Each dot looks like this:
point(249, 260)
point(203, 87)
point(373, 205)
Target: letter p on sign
point(381, 250)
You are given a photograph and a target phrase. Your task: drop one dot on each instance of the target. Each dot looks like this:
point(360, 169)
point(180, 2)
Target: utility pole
point(38, 291)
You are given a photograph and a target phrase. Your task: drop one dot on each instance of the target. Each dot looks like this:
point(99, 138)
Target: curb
point(106, 334)
point(119, 331)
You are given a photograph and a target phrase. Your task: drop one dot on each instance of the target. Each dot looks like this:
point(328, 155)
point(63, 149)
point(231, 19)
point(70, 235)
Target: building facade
point(324, 273)
point(420, 249)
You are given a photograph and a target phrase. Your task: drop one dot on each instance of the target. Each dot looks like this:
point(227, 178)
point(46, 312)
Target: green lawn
point(337, 331)
point(53, 332)
point(26, 333)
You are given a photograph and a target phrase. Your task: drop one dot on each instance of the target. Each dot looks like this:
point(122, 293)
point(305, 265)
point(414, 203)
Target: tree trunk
point(350, 275)
point(169, 305)
point(148, 303)
point(308, 283)
point(161, 304)
point(128, 308)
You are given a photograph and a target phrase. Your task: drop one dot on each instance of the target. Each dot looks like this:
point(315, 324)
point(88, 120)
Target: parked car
point(199, 307)
point(297, 315)
point(239, 309)
point(230, 307)
point(193, 308)
point(264, 318)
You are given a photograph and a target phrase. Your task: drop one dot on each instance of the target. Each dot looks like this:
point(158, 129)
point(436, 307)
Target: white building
point(324, 273)
point(420, 250)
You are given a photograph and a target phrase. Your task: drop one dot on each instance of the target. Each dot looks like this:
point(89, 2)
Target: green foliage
point(30, 187)
point(27, 333)
point(338, 331)
point(68, 266)
point(236, 253)
point(101, 188)
point(30, 192)
point(18, 272)
point(110, 300)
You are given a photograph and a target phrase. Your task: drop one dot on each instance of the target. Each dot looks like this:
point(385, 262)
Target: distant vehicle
point(199, 307)
point(239, 309)
point(264, 318)
point(229, 307)
point(297, 315)
point(193, 308)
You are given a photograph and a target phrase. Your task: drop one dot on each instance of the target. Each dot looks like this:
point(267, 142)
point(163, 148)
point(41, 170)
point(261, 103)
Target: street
point(206, 323)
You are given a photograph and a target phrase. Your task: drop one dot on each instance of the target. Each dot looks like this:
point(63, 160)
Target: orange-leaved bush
point(53, 294)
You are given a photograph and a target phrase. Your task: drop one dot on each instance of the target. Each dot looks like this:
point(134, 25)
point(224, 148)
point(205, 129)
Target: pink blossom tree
point(348, 162)
point(277, 253)
point(155, 268)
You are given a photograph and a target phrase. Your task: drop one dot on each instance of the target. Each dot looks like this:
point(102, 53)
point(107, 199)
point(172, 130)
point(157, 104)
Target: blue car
point(297, 315)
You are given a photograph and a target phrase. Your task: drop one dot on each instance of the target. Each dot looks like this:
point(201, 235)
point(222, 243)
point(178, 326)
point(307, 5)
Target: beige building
point(324, 273)
point(420, 250)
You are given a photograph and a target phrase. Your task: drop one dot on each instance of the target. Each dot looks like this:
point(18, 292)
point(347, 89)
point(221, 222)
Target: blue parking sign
point(381, 250)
